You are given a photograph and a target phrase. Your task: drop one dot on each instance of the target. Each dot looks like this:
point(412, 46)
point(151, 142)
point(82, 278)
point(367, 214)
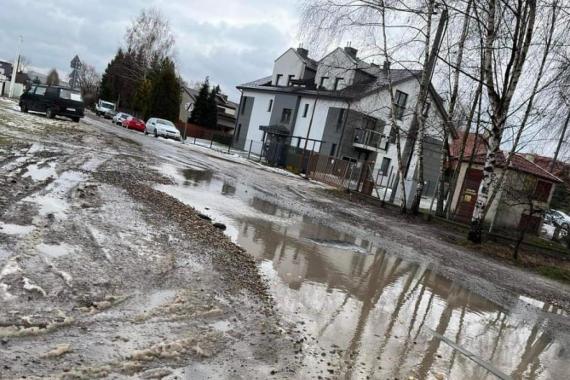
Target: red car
point(134, 123)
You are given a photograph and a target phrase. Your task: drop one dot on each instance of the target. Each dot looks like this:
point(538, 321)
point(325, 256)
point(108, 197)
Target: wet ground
point(366, 311)
point(358, 293)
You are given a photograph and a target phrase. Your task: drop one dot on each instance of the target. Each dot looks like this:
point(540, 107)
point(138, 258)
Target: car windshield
point(164, 122)
point(68, 94)
point(109, 106)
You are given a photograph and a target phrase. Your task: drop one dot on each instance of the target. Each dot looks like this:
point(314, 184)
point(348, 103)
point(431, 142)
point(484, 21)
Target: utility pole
point(560, 141)
point(15, 68)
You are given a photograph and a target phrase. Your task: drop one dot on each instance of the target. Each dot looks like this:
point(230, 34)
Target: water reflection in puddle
point(367, 312)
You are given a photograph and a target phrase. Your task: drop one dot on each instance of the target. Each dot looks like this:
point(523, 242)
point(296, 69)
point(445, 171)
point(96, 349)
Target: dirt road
point(106, 271)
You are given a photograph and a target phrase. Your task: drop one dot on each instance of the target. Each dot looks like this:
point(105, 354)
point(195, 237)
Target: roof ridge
point(537, 166)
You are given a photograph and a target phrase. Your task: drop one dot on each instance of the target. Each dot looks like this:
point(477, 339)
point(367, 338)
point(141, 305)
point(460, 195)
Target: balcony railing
point(370, 140)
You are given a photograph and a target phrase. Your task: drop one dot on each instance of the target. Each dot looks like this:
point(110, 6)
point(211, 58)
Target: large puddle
point(368, 313)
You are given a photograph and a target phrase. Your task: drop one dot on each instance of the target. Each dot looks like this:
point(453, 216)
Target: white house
point(339, 106)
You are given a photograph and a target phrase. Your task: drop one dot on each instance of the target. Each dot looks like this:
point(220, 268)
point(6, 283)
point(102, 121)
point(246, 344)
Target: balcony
point(370, 140)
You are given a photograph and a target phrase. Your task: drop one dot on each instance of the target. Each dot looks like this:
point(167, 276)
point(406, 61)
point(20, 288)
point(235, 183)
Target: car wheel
point(50, 114)
point(75, 119)
point(24, 108)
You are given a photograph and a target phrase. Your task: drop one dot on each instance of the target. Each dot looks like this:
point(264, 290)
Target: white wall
point(319, 118)
point(259, 114)
point(288, 64)
point(378, 105)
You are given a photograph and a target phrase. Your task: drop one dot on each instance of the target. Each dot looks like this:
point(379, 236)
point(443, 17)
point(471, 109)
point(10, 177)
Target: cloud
point(230, 41)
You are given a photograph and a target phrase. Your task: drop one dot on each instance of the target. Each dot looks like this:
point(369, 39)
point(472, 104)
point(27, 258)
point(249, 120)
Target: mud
point(139, 285)
point(102, 276)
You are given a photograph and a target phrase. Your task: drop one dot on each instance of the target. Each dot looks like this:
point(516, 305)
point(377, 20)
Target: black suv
point(53, 101)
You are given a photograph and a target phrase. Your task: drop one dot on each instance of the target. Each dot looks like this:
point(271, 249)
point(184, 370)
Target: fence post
point(230, 147)
point(249, 152)
point(194, 140)
point(211, 141)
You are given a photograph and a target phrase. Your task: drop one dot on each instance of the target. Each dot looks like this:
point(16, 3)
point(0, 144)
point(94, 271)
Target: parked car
point(120, 117)
point(557, 218)
point(105, 109)
point(161, 127)
point(53, 101)
point(134, 123)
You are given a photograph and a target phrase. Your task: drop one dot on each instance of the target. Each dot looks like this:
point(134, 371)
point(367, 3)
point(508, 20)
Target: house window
point(40, 90)
point(392, 137)
point(400, 100)
point(243, 104)
point(279, 76)
point(306, 110)
point(290, 79)
point(340, 119)
point(333, 149)
point(323, 80)
point(385, 165)
point(270, 105)
point(542, 191)
point(286, 115)
point(337, 82)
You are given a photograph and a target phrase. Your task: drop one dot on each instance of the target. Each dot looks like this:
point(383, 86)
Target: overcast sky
point(232, 41)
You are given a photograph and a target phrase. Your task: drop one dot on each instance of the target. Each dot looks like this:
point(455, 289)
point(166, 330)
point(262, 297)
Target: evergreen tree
point(165, 97)
point(211, 120)
point(200, 111)
point(53, 78)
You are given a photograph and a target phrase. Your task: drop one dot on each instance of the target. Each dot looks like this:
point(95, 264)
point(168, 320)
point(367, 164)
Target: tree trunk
point(451, 111)
point(500, 100)
point(419, 111)
point(560, 141)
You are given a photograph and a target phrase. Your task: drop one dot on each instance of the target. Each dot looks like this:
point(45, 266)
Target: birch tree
point(508, 27)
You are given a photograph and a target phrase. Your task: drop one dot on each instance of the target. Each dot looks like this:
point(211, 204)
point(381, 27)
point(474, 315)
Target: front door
point(468, 198)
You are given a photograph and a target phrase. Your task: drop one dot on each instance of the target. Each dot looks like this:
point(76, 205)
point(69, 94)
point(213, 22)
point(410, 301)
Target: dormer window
point(337, 82)
point(323, 80)
point(290, 79)
point(400, 100)
point(278, 79)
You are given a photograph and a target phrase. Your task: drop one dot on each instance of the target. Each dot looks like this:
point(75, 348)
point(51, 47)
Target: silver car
point(161, 127)
point(120, 117)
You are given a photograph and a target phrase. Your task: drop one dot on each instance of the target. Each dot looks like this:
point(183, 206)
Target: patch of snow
point(53, 199)
point(11, 267)
point(31, 287)
point(41, 171)
point(15, 229)
point(54, 250)
point(4, 293)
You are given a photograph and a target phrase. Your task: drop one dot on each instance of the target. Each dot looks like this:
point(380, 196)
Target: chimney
point(351, 51)
point(386, 66)
point(303, 52)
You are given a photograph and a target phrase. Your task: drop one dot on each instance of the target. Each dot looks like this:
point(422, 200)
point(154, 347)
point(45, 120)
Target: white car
point(161, 127)
point(120, 117)
point(557, 218)
point(106, 109)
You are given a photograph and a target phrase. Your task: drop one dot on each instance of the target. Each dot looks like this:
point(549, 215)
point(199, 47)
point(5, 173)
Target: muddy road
point(107, 270)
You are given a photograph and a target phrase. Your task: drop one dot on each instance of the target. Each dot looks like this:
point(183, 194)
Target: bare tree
point(150, 39)
point(53, 78)
point(89, 82)
point(508, 27)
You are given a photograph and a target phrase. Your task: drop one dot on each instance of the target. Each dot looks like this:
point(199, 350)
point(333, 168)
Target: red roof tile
point(477, 146)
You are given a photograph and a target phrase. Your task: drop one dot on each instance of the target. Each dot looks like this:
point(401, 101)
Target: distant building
point(522, 173)
point(226, 109)
point(339, 107)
